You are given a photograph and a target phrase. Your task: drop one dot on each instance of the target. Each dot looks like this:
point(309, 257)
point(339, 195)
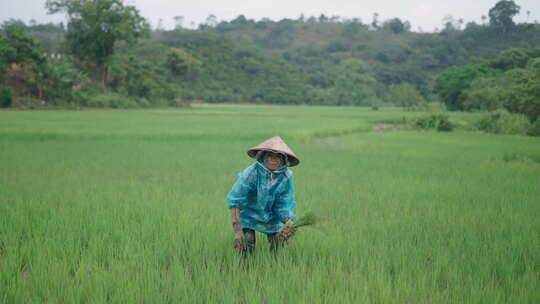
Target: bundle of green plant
point(307, 220)
point(288, 232)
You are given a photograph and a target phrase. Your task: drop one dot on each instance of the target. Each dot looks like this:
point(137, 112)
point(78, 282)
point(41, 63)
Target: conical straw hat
point(275, 144)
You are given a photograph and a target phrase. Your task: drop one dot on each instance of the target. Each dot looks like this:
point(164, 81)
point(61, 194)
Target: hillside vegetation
point(315, 60)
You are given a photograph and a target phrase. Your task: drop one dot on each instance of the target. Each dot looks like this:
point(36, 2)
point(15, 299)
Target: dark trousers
point(249, 234)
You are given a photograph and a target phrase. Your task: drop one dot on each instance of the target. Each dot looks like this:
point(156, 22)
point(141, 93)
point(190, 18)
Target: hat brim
point(291, 159)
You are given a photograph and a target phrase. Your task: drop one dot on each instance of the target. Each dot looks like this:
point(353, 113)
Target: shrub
point(375, 107)
point(484, 98)
point(445, 125)
point(111, 101)
point(515, 156)
point(407, 96)
point(26, 102)
point(144, 103)
point(502, 122)
point(535, 128)
point(440, 122)
point(5, 97)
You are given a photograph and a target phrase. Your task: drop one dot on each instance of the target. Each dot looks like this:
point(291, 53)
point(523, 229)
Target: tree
point(178, 22)
point(240, 20)
point(180, 62)
point(211, 20)
point(510, 59)
point(95, 26)
point(57, 81)
point(500, 16)
point(353, 86)
point(353, 27)
point(405, 95)
point(486, 94)
point(524, 97)
point(375, 21)
point(452, 83)
point(397, 26)
point(449, 23)
point(323, 18)
point(19, 48)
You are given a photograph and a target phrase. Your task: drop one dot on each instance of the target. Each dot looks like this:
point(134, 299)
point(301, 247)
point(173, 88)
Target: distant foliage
point(60, 81)
point(486, 94)
point(354, 84)
point(452, 83)
point(110, 101)
point(524, 93)
point(180, 62)
point(502, 122)
point(396, 25)
point(119, 101)
point(440, 122)
point(5, 96)
point(33, 78)
point(322, 59)
point(17, 47)
point(510, 59)
point(95, 27)
point(510, 81)
point(535, 128)
point(501, 15)
point(232, 72)
point(406, 96)
point(131, 77)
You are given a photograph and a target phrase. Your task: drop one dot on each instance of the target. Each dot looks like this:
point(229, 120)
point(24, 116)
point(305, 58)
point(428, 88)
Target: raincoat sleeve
point(238, 196)
point(285, 205)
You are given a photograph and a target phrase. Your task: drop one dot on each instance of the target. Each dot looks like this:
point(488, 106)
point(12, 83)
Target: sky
point(425, 15)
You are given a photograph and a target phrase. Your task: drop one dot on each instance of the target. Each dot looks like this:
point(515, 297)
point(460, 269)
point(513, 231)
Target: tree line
point(108, 56)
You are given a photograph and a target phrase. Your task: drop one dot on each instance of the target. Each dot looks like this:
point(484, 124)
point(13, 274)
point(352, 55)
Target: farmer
point(262, 199)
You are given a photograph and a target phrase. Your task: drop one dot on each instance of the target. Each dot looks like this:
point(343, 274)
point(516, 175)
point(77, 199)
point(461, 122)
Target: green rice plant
point(514, 156)
point(129, 207)
point(308, 219)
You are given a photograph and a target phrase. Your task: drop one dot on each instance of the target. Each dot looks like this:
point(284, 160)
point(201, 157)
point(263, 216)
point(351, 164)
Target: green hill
point(312, 60)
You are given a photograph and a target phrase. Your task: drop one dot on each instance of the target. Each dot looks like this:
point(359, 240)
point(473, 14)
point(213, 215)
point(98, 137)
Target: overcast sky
point(426, 14)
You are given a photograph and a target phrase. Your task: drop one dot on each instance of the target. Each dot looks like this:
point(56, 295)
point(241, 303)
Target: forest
point(107, 55)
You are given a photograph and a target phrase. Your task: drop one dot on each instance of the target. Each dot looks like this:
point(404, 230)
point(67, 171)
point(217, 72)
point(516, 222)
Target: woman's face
point(273, 161)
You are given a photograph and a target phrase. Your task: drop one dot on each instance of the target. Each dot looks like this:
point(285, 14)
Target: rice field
point(129, 207)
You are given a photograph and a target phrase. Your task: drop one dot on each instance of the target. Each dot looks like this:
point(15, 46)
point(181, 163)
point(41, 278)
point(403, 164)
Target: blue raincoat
point(265, 198)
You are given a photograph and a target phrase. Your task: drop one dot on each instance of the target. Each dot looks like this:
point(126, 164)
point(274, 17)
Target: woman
point(262, 199)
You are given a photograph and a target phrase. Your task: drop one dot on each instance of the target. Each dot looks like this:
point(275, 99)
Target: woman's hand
point(239, 241)
point(289, 225)
point(287, 231)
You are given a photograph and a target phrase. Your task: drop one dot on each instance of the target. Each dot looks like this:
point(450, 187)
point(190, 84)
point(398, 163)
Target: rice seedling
point(308, 219)
point(129, 207)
